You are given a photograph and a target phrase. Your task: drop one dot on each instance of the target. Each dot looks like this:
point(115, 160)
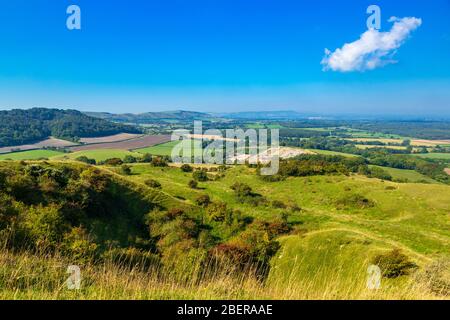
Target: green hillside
point(311, 237)
point(18, 127)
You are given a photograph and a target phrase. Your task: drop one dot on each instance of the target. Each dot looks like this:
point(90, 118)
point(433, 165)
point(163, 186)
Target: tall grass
point(43, 276)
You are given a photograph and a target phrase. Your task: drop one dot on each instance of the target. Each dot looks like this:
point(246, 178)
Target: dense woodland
point(19, 127)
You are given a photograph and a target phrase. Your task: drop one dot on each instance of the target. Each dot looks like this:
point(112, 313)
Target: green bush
point(193, 184)
point(394, 264)
point(153, 184)
point(186, 168)
point(200, 175)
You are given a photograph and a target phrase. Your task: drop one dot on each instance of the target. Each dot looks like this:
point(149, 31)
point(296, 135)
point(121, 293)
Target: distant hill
point(264, 115)
point(150, 117)
point(19, 126)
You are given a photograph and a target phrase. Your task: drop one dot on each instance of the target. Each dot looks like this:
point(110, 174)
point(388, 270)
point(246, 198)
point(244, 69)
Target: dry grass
point(26, 276)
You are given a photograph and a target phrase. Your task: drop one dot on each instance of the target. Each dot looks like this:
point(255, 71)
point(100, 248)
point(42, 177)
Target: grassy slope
point(408, 216)
point(30, 155)
point(98, 155)
point(328, 255)
point(443, 156)
point(410, 175)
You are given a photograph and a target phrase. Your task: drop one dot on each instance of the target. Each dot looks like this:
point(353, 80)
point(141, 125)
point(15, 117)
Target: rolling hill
point(18, 127)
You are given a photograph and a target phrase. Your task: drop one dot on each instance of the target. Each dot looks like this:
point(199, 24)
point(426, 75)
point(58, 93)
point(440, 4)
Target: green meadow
point(29, 155)
point(97, 155)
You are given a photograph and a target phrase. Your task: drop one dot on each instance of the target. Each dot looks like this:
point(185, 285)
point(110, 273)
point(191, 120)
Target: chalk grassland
point(325, 257)
point(114, 138)
point(407, 175)
point(141, 142)
point(97, 155)
point(48, 143)
point(30, 155)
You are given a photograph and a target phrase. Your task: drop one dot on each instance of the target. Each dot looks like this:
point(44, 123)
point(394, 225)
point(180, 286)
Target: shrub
point(279, 204)
point(146, 158)
point(354, 201)
point(186, 168)
point(86, 160)
point(193, 184)
point(126, 170)
point(203, 200)
point(113, 162)
point(153, 184)
point(159, 162)
point(217, 211)
point(200, 175)
point(79, 246)
point(394, 264)
point(129, 159)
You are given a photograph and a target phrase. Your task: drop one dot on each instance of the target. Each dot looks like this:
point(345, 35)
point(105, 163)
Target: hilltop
point(19, 126)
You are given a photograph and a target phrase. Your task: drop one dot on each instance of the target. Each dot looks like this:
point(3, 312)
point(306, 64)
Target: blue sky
point(219, 55)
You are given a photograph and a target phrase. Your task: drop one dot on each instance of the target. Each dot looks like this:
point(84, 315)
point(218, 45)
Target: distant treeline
point(28, 126)
point(399, 159)
point(434, 130)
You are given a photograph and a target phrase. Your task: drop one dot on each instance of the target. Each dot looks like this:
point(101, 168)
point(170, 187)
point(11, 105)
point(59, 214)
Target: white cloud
point(373, 49)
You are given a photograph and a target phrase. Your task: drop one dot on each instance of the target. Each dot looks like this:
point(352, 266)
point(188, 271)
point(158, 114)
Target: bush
point(146, 158)
point(159, 162)
point(279, 204)
point(129, 159)
point(200, 175)
point(203, 200)
point(193, 184)
point(86, 160)
point(113, 162)
point(186, 168)
point(394, 264)
point(153, 184)
point(126, 170)
point(354, 201)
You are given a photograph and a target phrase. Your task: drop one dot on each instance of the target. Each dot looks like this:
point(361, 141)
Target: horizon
point(228, 56)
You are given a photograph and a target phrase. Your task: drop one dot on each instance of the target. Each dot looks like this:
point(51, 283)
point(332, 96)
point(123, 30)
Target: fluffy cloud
point(373, 49)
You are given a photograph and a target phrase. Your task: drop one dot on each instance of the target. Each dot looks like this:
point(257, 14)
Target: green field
point(97, 155)
point(407, 175)
point(441, 156)
point(333, 153)
point(164, 149)
point(29, 155)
